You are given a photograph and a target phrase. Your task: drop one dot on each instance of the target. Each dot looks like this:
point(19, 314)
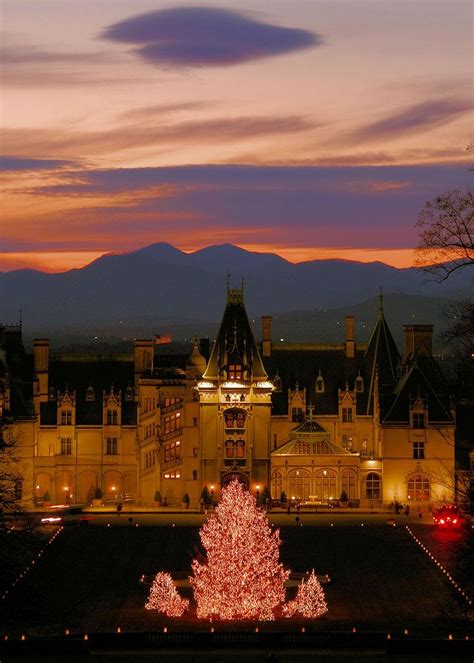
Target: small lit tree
point(309, 600)
point(164, 597)
point(241, 577)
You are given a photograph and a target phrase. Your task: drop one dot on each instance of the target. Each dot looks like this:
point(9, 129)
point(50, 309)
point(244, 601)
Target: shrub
point(205, 495)
point(186, 499)
point(344, 497)
point(46, 497)
point(265, 495)
point(283, 496)
point(98, 494)
point(157, 497)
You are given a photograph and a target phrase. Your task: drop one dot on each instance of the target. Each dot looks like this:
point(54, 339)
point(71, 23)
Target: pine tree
point(164, 597)
point(242, 577)
point(309, 601)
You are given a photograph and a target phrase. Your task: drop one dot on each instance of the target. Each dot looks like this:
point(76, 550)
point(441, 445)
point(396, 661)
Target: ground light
point(455, 584)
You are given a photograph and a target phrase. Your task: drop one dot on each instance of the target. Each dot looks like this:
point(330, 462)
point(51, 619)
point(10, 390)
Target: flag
point(163, 339)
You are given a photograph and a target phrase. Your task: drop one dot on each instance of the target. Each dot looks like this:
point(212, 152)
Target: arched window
point(418, 488)
point(348, 485)
point(277, 485)
point(299, 481)
point(326, 487)
point(373, 486)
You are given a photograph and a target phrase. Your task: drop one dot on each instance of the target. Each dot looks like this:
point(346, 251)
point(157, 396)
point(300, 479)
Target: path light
point(119, 630)
point(354, 630)
point(389, 637)
point(303, 629)
point(165, 629)
point(450, 637)
point(23, 637)
point(405, 632)
point(86, 637)
point(66, 632)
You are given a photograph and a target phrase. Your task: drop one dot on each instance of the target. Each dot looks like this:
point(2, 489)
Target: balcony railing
point(172, 408)
point(172, 434)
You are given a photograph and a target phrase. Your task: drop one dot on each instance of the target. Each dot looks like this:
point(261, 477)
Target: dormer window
point(359, 384)
point(419, 420)
point(346, 415)
point(66, 417)
point(235, 371)
point(90, 393)
point(112, 417)
point(320, 384)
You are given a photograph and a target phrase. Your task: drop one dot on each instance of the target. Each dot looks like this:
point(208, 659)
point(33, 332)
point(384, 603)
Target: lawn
point(88, 581)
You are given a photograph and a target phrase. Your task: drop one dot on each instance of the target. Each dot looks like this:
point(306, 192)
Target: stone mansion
point(311, 420)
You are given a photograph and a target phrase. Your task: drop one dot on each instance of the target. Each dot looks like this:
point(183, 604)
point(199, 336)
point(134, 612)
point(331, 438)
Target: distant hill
point(163, 286)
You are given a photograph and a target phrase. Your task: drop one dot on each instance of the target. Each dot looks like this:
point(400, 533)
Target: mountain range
point(165, 286)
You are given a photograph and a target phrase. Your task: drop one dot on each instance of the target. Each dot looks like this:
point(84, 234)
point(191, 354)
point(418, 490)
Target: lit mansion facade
point(315, 421)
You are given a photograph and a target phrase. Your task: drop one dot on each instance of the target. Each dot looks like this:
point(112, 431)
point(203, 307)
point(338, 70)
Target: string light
point(456, 585)
point(27, 569)
point(242, 577)
point(164, 597)
point(309, 601)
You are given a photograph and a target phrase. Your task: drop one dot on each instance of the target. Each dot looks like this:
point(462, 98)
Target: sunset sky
point(308, 128)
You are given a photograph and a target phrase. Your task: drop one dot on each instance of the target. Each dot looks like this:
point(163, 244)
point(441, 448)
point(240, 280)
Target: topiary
point(46, 497)
point(98, 494)
point(205, 495)
point(186, 499)
point(283, 496)
point(344, 497)
point(157, 497)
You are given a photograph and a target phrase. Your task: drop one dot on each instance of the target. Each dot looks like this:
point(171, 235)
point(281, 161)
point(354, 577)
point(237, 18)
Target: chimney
point(41, 368)
point(418, 340)
point(144, 350)
point(350, 336)
point(266, 335)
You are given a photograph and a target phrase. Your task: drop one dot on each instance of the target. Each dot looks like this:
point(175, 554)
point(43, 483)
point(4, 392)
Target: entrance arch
point(230, 476)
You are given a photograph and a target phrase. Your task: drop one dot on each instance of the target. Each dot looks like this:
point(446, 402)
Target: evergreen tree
point(242, 577)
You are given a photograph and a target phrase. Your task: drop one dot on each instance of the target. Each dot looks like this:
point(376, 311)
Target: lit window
point(66, 446)
point(418, 488)
point(235, 372)
point(349, 484)
point(240, 449)
point(229, 448)
point(418, 420)
point(372, 486)
point(418, 450)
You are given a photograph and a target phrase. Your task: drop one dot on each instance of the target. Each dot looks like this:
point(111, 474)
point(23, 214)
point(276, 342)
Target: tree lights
point(242, 577)
point(309, 601)
point(164, 597)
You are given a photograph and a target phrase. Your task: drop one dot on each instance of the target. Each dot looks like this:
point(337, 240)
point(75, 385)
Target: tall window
point(418, 420)
point(299, 484)
point(346, 414)
point(66, 446)
point(235, 372)
point(277, 485)
point(66, 417)
point(296, 414)
point(326, 485)
point(349, 484)
point(172, 422)
point(418, 488)
point(235, 448)
point(112, 447)
point(372, 486)
point(172, 451)
point(112, 417)
point(418, 450)
point(234, 418)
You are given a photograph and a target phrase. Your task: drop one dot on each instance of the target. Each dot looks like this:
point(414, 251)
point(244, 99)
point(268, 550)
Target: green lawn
point(88, 581)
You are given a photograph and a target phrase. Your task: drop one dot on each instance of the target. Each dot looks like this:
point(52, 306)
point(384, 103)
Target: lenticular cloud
point(205, 36)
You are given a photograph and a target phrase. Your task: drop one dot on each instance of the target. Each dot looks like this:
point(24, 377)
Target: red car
point(447, 515)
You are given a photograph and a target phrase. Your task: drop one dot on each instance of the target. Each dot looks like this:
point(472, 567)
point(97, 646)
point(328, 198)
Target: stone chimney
point(41, 368)
point(418, 340)
point(266, 335)
point(144, 350)
point(350, 336)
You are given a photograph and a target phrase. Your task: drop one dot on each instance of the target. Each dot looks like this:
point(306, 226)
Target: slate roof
point(235, 343)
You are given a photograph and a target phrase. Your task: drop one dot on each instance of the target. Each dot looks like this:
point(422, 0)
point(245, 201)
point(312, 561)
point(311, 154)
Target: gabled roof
point(416, 383)
point(235, 342)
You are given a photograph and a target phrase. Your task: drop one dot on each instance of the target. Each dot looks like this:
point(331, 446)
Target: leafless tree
point(446, 234)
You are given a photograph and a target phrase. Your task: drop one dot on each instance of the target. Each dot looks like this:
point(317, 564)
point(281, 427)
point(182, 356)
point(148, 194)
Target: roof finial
point(310, 412)
point(381, 301)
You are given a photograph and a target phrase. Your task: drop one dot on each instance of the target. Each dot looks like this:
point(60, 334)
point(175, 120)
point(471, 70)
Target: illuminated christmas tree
point(241, 577)
point(309, 600)
point(164, 597)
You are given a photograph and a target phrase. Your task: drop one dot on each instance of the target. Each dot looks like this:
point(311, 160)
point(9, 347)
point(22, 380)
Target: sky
point(311, 129)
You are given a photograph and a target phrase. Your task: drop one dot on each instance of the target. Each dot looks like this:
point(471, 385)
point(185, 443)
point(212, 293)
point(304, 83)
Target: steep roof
point(381, 356)
point(235, 343)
